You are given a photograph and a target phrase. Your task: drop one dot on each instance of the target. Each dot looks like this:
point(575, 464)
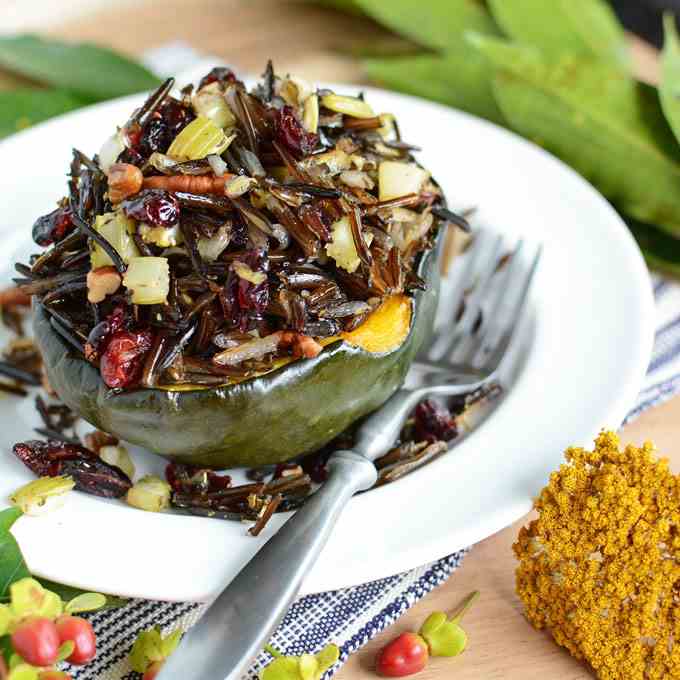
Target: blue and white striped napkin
point(352, 616)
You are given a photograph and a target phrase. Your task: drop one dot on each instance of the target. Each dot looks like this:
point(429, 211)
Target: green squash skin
point(293, 410)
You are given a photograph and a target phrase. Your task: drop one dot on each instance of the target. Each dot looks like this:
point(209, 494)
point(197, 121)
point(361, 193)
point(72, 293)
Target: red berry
point(122, 362)
point(54, 675)
point(80, 632)
point(36, 641)
point(291, 133)
point(154, 206)
point(405, 655)
point(153, 670)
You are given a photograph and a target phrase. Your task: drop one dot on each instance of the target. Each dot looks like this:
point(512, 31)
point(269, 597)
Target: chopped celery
point(42, 495)
point(199, 139)
point(117, 229)
point(149, 280)
point(310, 116)
point(165, 237)
point(150, 493)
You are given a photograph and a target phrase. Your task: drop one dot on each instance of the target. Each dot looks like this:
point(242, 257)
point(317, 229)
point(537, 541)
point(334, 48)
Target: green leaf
point(85, 602)
point(661, 250)
point(65, 650)
point(20, 109)
point(437, 23)
point(282, 668)
point(342, 5)
point(8, 517)
point(12, 564)
point(89, 70)
point(588, 27)
point(68, 593)
point(461, 78)
point(669, 90)
point(606, 125)
point(327, 658)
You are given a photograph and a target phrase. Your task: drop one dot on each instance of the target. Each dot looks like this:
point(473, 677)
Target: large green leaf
point(607, 126)
point(669, 90)
point(555, 26)
point(22, 108)
point(12, 564)
point(8, 517)
point(89, 70)
point(435, 23)
point(661, 250)
point(460, 78)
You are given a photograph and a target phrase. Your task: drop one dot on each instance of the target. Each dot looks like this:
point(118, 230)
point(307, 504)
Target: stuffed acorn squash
point(238, 276)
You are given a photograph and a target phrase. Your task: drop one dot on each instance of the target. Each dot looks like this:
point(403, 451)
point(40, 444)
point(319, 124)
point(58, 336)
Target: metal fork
point(240, 621)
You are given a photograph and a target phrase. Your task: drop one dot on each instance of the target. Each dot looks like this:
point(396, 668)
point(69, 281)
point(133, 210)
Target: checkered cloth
point(352, 616)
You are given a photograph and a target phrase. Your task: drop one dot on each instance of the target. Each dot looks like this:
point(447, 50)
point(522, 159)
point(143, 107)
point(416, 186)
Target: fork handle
point(240, 621)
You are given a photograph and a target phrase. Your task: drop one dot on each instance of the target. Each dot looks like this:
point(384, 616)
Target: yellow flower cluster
point(600, 567)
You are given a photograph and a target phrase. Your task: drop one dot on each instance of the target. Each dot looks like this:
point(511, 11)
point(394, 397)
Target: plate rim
point(617, 408)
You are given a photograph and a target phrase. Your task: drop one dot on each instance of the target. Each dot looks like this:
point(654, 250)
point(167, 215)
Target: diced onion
point(209, 101)
point(199, 139)
point(119, 457)
point(219, 167)
point(342, 248)
point(211, 248)
point(349, 106)
point(111, 149)
point(117, 229)
point(399, 179)
point(148, 278)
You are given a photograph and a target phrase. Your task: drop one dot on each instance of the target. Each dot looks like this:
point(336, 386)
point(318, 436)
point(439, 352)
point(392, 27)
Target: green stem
point(273, 651)
point(467, 603)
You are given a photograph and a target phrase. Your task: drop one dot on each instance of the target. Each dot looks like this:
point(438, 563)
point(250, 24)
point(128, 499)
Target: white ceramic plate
point(584, 350)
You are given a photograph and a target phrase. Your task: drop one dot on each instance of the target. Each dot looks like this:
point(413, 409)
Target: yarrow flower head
point(600, 567)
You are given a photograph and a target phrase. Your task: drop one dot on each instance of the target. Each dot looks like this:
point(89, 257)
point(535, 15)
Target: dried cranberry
point(291, 133)
point(101, 333)
point(239, 232)
point(153, 206)
point(434, 422)
point(52, 227)
point(249, 300)
point(176, 116)
point(155, 137)
point(122, 362)
point(131, 156)
point(191, 480)
point(90, 473)
point(220, 74)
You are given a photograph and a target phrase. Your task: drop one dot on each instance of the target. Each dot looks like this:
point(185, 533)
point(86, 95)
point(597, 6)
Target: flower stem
point(466, 604)
point(273, 651)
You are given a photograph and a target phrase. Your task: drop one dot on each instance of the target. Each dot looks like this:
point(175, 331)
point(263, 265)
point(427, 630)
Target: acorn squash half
point(270, 418)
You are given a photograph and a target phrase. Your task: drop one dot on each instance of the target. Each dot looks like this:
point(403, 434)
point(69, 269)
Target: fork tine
point(493, 355)
point(479, 274)
point(492, 328)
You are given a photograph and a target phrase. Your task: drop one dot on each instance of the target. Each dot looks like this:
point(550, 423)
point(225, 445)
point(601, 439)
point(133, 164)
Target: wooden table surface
point(304, 39)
